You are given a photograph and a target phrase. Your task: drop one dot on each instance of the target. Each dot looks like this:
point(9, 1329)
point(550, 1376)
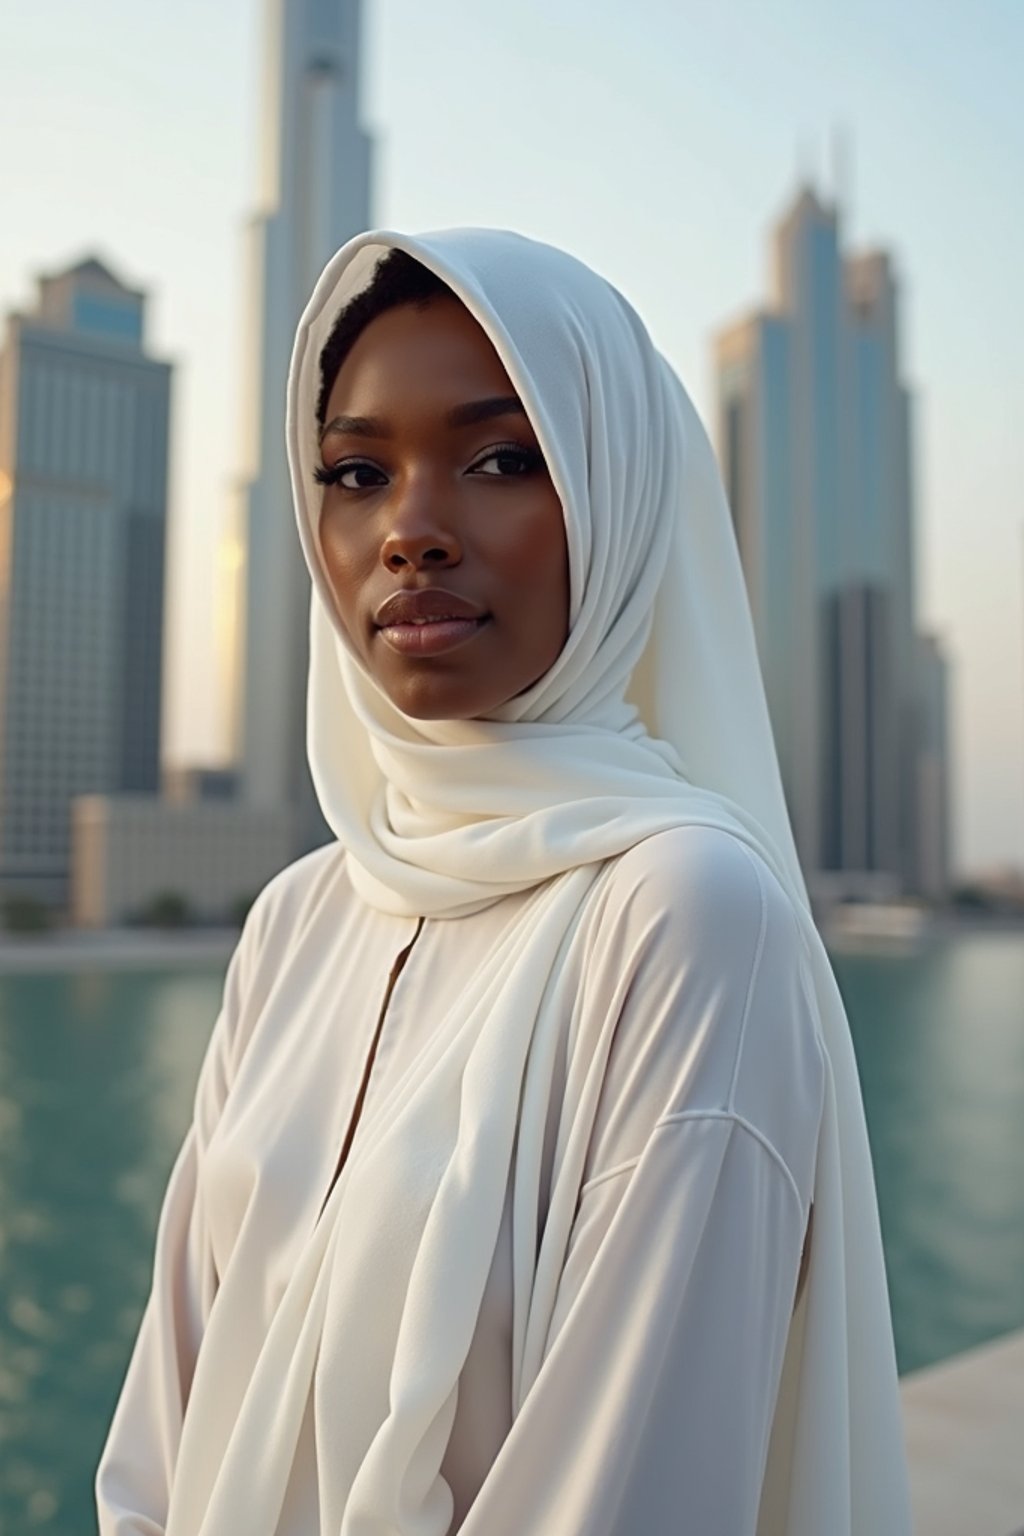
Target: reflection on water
point(97, 1072)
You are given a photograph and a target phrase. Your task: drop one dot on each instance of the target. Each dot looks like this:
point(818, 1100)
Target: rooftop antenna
point(842, 170)
point(804, 161)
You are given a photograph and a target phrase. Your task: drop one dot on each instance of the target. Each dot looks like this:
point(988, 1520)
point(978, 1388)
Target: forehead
point(437, 350)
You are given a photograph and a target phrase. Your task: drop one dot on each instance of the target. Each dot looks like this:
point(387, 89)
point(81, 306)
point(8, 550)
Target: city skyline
point(657, 163)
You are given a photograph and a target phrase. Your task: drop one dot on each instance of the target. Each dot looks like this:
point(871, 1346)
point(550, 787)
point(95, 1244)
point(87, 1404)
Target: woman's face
point(442, 535)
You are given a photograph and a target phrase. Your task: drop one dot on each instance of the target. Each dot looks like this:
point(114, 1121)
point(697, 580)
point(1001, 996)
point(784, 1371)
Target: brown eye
point(508, 461)
point(350, 474)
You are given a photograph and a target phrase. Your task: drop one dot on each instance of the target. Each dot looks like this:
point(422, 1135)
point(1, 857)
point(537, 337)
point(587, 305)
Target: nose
point(418, 537)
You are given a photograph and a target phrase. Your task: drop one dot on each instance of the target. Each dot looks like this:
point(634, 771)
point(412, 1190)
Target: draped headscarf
point(653, 716)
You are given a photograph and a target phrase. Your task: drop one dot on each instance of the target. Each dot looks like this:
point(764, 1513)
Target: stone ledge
point(964, 1423)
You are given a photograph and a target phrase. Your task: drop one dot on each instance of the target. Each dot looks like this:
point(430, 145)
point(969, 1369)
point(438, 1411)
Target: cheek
point(548, 563)
point(346, 568)
point(343, 559)
point(531, 548)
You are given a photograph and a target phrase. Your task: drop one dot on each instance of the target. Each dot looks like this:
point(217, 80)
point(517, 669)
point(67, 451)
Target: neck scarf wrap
point(652, 716)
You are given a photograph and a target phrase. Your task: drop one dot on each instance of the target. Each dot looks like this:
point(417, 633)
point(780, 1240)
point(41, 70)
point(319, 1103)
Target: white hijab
point(441, 818)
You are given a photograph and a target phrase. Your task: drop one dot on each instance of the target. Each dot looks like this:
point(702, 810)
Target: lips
point(432, 605)
point(427, 623)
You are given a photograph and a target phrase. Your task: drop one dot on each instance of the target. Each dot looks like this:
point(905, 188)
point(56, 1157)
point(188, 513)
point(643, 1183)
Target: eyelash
point(529, 459)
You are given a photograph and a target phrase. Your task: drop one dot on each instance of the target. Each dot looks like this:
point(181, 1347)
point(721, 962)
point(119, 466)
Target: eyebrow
point(459, 416)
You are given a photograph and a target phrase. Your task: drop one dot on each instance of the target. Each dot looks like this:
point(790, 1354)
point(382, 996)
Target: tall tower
point(83, 522)
point(815, 435)
point(314, 195)
point(809, 292)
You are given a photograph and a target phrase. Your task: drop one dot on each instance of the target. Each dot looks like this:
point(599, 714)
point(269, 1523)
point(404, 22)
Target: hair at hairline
point(398, 279)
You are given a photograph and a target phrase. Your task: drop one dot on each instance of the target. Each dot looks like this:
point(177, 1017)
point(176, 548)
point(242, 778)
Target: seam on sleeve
point(609, 1173)
point(754, 968)
point(682, 1116)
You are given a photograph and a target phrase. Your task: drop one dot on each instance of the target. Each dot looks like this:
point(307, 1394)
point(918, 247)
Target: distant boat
point(891, 925)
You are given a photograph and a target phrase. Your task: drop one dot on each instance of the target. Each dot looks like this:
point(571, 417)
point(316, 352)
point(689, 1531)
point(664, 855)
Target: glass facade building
point(815, 444)
point(83, 517)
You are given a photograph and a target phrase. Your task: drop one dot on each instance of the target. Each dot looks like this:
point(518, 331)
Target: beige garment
point(652, 1410)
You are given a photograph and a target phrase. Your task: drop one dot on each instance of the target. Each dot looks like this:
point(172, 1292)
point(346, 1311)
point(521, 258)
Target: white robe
point(652, 1410)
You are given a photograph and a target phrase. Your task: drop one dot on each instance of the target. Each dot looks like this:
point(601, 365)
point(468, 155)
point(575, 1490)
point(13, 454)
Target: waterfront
point(97, 1070)
point(940, 1046)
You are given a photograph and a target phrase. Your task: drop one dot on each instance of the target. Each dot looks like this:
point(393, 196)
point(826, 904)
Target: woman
point(511, 1125)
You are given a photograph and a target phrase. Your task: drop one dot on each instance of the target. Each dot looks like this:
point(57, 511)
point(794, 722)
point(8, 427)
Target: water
point(940, 1047)
point(96, 1079)
point(97, 1071)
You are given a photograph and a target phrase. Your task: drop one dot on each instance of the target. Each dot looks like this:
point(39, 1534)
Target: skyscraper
point(815, 441)
point(83, 517)
point(314, 195)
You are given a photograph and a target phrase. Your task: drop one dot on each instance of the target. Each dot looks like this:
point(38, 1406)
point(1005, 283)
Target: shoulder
point(699, 959)
point(306, 891)
point(294, 893)
point(704, 883)
point(305, 877)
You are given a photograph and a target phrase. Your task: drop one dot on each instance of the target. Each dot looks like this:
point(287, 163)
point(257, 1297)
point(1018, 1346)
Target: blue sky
point(658, 141)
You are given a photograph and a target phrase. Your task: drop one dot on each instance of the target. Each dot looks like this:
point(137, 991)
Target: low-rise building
point(128, 851)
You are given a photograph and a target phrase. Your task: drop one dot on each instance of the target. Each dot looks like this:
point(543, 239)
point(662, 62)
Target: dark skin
point(439, 483)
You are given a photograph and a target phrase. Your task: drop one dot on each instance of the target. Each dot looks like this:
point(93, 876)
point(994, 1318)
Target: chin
point(430, 702)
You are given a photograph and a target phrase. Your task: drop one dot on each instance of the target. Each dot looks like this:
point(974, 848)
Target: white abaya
point(652, 1410)
point(551, 1289)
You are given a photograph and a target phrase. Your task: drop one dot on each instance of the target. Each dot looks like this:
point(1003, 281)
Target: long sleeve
point(652, 1408)
point(134, 1475)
